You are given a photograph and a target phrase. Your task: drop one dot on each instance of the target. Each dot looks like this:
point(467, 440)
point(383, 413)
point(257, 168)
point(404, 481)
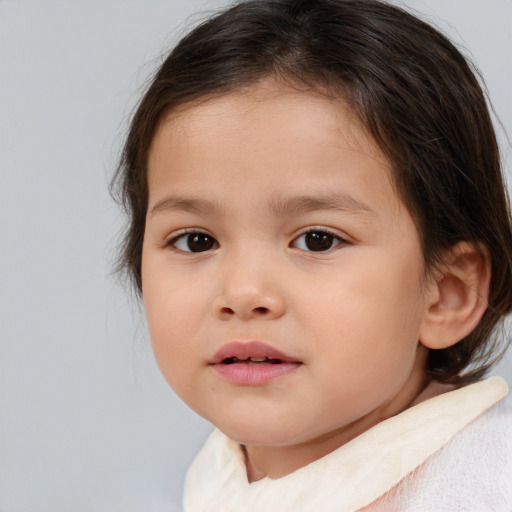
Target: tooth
point(258, 359)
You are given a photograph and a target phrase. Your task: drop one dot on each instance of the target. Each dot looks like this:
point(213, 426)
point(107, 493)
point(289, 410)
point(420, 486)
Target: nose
point(248, 291)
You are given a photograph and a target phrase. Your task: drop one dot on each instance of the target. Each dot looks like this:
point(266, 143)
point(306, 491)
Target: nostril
point(246, 306)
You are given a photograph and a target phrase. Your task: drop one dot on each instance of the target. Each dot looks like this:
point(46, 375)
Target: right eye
point(194, 242)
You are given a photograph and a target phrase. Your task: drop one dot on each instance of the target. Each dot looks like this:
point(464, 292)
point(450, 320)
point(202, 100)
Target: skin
point(233, 167)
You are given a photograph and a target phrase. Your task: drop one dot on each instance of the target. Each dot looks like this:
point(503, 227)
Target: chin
point(258, 433)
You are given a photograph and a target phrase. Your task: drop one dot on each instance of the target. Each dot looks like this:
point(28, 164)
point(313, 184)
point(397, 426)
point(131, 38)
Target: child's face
point(272, 218)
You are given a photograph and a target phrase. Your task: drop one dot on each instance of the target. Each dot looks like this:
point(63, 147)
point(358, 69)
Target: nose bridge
point(248, 285)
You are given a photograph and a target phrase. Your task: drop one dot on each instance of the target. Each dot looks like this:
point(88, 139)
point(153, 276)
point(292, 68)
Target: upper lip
point(245, 350)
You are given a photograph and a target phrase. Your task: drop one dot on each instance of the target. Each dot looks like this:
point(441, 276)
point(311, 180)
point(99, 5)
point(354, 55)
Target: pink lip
point(232, 363)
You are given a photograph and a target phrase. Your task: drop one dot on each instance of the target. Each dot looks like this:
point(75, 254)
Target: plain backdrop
point(87, 424)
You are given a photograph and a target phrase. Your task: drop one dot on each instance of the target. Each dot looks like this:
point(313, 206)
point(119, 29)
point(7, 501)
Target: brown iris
point(319, 240)
point(199, 242)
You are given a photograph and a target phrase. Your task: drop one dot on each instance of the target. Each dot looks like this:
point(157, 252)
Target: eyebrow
point(278, 207)
point(335, 201)
point(198, 206)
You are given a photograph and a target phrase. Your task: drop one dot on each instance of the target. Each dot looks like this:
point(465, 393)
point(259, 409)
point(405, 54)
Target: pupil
point(319, 241)
point(199, 242)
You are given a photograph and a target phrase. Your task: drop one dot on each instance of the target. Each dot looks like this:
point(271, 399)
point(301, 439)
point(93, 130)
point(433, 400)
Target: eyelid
point(343, 239)
point(171, 239)
point(331, 231)
point(184, 231)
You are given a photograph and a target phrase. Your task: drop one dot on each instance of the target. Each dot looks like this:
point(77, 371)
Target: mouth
point(253, 352)
point(252, 364)
point(251, 360)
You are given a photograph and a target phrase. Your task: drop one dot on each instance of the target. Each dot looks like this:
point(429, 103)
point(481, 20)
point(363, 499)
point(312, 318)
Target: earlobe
point(457, 296)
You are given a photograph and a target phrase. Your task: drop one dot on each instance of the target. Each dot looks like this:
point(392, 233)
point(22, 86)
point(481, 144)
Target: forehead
point(288, 137)
point(268, 106)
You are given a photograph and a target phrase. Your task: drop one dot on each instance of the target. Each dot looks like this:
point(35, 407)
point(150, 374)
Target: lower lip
point(254, 374)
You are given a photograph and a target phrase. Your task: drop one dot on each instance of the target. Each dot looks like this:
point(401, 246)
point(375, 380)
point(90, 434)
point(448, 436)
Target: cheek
point(171, 297)
point(370, 311)
point(172, 344)
point(172, 315)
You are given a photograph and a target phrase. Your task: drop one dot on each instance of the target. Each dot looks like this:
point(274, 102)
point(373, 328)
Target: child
point(320, 234)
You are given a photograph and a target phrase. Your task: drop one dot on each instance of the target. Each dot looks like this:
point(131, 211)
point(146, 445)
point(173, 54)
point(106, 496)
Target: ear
point(457, 296)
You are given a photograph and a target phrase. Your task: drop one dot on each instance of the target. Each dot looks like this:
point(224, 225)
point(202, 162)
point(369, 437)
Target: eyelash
point(209, 243)
point(184, 234)
point(324, 231)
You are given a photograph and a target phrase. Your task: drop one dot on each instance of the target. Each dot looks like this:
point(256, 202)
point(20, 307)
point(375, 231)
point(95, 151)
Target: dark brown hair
point(411, 88)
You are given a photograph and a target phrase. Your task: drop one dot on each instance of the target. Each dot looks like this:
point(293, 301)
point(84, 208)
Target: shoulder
point(485, 443)
point(473, 471)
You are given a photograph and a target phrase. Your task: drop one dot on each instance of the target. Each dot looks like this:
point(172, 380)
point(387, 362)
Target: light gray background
point(87, 424)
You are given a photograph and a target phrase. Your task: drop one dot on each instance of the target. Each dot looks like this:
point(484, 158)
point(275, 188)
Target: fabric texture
point(452, 452)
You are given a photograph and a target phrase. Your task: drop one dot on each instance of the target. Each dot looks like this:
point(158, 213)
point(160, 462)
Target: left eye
point(316, 240)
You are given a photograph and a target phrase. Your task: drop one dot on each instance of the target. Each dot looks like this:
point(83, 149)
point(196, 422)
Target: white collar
point(366, 467)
